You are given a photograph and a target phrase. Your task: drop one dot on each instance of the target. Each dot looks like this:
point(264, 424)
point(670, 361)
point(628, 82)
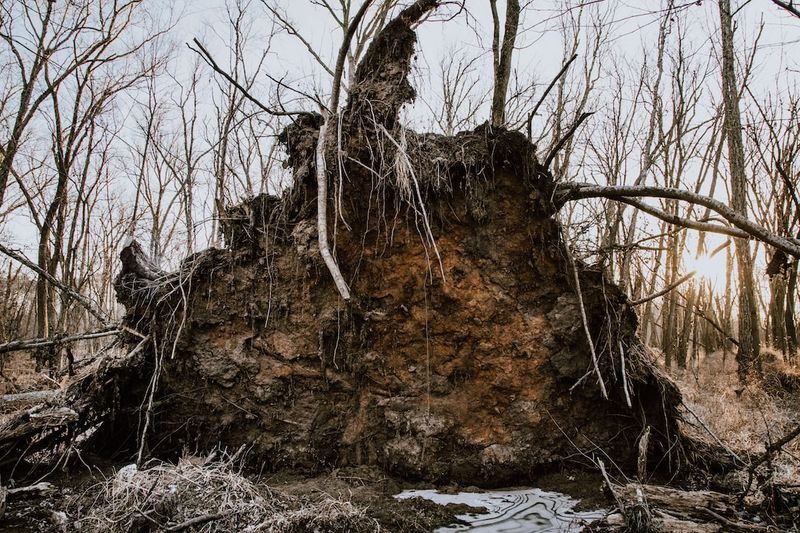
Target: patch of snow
point(512, 511)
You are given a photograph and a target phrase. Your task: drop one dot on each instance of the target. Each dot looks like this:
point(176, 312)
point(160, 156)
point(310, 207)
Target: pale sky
point(631, 27)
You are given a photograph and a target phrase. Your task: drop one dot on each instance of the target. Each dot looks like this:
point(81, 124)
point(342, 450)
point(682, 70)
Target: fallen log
point(31, 396)
point(673, 509)
point(617, 521)
point(86, 402)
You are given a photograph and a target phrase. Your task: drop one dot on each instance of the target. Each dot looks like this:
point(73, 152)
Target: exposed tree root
point(85, 404)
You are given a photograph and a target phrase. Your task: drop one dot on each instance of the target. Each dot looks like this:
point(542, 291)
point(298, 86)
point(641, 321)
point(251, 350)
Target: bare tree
point(461, 96)
point(749, 329)
point(50, 42)
point(502, 54)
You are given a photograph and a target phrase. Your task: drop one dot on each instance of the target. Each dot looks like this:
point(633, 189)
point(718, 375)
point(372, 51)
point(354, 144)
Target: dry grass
point(745, 419)
point(213, 496)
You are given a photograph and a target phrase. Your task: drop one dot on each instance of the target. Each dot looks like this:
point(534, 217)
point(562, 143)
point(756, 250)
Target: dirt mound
point(462, 355)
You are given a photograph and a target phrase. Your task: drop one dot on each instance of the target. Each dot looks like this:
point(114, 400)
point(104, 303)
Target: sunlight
point(708, 268)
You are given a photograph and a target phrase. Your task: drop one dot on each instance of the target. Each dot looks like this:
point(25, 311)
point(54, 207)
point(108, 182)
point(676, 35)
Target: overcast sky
point(631, 29)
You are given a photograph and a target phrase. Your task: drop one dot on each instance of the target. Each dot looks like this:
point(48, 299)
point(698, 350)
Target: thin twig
point(586, 329)
point(665, 290)
point(567, 136)
point(713, 435)
point(209, 59)
point(547, 91)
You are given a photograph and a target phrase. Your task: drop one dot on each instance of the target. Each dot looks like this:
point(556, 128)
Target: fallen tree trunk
point(61, 416)
point(669, 509)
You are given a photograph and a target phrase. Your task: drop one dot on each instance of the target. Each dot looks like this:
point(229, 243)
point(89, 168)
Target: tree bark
point(502, 58)
point(686, 330)
point(791, 326)
point(748, 354)
point(777, 313)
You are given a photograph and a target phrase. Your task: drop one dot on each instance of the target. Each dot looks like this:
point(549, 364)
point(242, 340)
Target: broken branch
point(27, 344)
point(576, 191)
point(547, 91)
point(85, 302)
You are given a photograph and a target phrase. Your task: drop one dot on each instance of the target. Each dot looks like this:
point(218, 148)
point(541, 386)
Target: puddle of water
point(512, 511)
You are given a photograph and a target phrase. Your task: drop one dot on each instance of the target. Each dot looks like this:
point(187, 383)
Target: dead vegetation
point(206, 495)
point(746, 418)
point(755, 426)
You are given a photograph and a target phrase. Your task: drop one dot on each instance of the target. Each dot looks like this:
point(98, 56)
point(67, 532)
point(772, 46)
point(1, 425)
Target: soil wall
point(459, 354)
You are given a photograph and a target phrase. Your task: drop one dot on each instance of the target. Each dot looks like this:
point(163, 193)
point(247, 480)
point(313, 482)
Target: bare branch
point(85, 302)
point(575, 191)
point(788, 6)
point(291, 30)
point(342, 57)
point(561, 142)
point(547, 91)
point(200, 50)
point(675, 220)
point(28, 344)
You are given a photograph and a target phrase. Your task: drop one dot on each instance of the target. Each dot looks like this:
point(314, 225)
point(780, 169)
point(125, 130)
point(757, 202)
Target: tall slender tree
point(748, 355)
point(502, 54)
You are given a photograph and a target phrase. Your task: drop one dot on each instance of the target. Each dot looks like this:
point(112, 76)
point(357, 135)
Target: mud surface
point(364, 488)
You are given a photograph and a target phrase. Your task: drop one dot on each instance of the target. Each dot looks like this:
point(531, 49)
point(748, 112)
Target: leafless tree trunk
point(502, 54)
point(748, 355)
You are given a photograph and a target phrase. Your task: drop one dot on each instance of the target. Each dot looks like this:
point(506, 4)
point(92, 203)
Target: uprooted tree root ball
point(464, 352)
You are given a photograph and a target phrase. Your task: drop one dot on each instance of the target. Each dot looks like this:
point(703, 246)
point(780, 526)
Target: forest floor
point(222, 495)
point(215, 492)
point(196, 494)
point(746, 419)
